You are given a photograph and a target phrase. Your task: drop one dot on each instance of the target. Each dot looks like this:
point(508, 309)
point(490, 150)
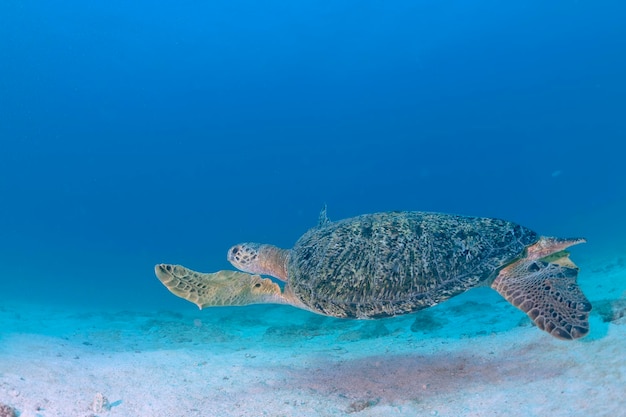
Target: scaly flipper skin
point(548, 293)
point(223, 288)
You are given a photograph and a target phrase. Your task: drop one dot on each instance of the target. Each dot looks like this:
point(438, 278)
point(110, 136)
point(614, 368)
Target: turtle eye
point(534, 267)
point(234, 251)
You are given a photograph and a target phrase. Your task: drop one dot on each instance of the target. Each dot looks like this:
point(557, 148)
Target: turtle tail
point(548, 292)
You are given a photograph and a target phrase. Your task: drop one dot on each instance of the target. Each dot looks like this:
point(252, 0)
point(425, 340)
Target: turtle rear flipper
point(549, 294)
point(222, 288)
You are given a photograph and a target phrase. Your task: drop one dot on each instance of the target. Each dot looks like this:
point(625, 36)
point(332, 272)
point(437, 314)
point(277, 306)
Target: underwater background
point(134, 133)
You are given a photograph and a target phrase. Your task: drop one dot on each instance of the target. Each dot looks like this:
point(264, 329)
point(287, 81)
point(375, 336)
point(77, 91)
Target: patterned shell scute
point(384, 264)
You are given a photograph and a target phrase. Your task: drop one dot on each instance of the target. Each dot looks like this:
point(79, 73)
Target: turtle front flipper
point(549, 294)
point(222, 288)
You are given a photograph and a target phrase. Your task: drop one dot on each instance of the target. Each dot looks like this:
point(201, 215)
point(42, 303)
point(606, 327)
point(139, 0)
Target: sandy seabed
point(474, 355)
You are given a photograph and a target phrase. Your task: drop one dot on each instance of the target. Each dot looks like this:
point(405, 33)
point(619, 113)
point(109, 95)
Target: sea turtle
point(392, 263)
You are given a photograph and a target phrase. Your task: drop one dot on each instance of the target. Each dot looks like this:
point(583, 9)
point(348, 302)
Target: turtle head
point(244, 257)
point(256, 258)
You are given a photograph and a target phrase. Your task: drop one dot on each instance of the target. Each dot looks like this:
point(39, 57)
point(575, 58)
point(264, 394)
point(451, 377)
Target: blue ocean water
point(134, 133)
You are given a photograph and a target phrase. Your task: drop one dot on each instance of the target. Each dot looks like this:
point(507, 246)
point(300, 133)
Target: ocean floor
point(474, 355)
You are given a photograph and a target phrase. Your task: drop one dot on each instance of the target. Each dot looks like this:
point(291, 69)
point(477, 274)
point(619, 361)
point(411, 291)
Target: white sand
point(472, 356)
